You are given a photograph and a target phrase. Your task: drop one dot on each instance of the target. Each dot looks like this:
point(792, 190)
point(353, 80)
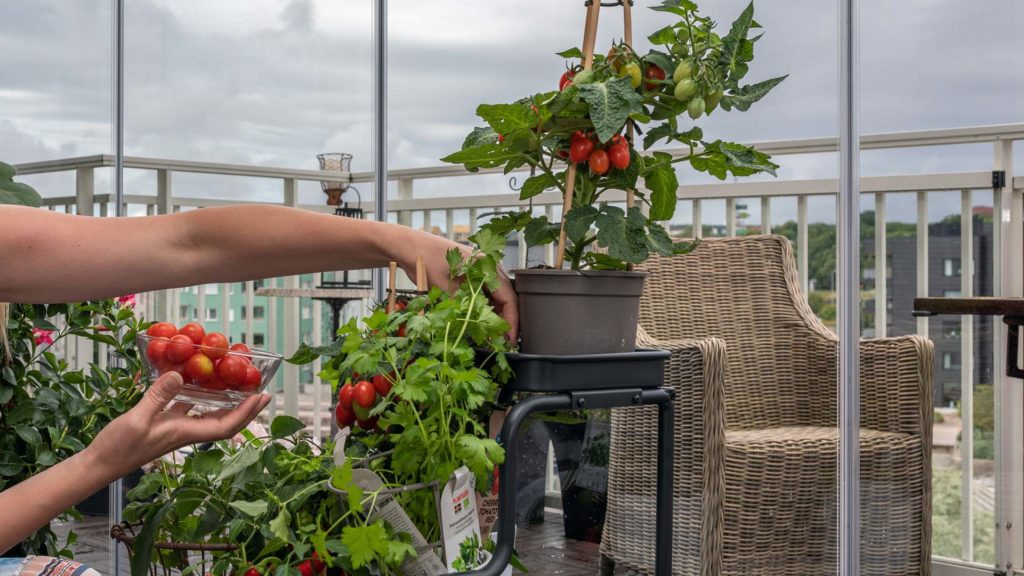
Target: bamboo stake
point(421, 277)
point(392, 281)
point(627, 20)
point(589, 39)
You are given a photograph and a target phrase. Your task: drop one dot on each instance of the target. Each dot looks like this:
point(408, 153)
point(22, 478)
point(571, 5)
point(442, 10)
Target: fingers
point(160, 394)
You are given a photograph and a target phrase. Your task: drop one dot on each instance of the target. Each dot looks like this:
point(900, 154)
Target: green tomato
point(679, 49)
point(695, 108)
point(683, 70)
point(683, 34)
point(583, 77)
point(711, 100)
point(632, 69)
point(686, 89)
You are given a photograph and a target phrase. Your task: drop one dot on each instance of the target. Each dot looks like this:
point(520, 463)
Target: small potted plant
point(580, 141)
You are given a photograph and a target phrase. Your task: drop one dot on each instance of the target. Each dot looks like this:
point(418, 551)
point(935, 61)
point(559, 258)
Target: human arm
point(144, 433)
point(52, 257)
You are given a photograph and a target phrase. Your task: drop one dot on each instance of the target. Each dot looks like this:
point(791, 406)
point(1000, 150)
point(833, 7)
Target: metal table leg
point(621, 398)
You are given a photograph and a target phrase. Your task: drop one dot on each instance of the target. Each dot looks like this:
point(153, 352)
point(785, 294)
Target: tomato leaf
point(480, 135)
point(742, 98)
point(252, 509)
point(611, 102)
point(723, 158)
point(12, 192)
point(539, 231)
point(661, 180)
point(737, 50)
point(535, 185)
point(571, 53)
point(284, 426)
point(578, 222)
point(507, 118)
point(624, 235)
point(664, 36)
point(678, 7)
point(483, 156)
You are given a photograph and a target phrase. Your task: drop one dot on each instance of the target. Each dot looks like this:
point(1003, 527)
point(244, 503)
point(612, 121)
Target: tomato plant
point(690, 72)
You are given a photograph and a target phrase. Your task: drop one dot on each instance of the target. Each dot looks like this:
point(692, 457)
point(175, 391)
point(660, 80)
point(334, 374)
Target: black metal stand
point(602, 397)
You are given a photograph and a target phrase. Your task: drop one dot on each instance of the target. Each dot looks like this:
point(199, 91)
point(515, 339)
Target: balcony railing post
point(966, 381)
point(449, 224)
point(405, 193)
point(317, 340)
point(766, 215)
point(291, 321)
point(881, 269)
point(163, 206)
point(730, 217)
point(698, 224)
point(85, 191)
point(922, 257)
point(802, 244)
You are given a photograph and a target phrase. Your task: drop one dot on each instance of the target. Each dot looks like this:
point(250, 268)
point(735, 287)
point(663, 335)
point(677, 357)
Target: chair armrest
point(696, 372)
point(896, 381)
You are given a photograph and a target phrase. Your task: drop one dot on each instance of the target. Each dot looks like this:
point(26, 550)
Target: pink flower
point(126, 301)
point(42, 336)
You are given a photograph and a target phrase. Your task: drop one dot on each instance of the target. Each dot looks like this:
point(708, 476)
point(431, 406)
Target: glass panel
point(940, 242)
point(55, 103)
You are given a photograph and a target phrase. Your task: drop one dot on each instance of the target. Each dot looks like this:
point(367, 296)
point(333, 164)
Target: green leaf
point(284, 426)
point(143, 546)
point(534, 185)
point(571, 53)
point(539, 231)
point(12, 192)
point(722, 158)
point(508, 118)
point(742, 98)
point(611, 102)
point(279, 526)
point(483, 156)
point(365, 543)
point(245, 457)
point(480, 135)
point(678, 7)
point(666, 35)
point(661, 180)
point(624, 237)
point(29, 434)
point(736, 49)
point(252, 509)
point(578, 222)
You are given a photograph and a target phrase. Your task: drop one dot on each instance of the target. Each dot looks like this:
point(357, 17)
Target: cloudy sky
point(275, 82)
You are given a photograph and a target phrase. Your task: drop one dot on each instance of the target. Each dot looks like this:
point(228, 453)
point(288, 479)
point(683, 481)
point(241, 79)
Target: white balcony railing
point(1007, 256)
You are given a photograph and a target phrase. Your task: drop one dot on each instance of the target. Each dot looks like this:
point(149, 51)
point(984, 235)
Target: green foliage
point(946, 521)
point(604, 102)
point(48, 411)
point(12, 192)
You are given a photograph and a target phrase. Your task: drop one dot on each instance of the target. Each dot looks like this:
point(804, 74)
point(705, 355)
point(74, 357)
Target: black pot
point(581, 456)
point(98, 504)
point(573, 312)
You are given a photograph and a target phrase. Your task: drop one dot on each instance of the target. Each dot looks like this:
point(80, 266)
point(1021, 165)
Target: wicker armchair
point(757, 443)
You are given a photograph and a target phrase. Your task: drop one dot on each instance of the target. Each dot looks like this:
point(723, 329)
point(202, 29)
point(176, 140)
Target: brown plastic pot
point(573, 312)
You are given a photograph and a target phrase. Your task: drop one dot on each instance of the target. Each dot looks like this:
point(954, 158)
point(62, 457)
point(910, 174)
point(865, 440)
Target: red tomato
point(345, 396)
point(365, 394)
point(232, 371)
point(501, 138)
point(368, 424)
point(565, 80)
point(318, 565)
point(344, 416)
point(251, 381)
point(381, 384)
point(653, 73)
point(239, 348)
point(199, 368)
point(580, 151)
point(599, 162)
point(156, 351)
point(194, 331)
point(360, 412)
point(215, 382)
point(252, 572)
point(162, 330)
point(180, 369)
point(215, 345)
point(306, 568)
point(180, 348)
point(562, 153)
point(578, 135)
point(618, 155)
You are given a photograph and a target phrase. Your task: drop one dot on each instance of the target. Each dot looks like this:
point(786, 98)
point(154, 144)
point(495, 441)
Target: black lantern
point(339, 162)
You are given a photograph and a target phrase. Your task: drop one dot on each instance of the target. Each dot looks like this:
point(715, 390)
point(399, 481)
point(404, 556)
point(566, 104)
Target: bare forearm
point(57, 257)
point(33, 503)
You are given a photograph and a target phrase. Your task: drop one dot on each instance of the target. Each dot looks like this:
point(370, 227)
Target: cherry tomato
point(367, 424)
point(580, 151)
point(683, 71)
point(653, 72)
point(565, 80)
point(318, 565)
point(162, 330)
point(501, 138)
point(632, 69)
point(345, 395)
point(344, 416)
point(381, 384)
point(199, 368)
point(215, 345)
point(599, 162)
point(194, 331)
point(239, 348)
point(231, 369)
point(360, 412)
point(306, 568)
point(364, 394)
point(562, 153)
point(616, 57)
point(695, 108)
point(251, 381)
point(578, 135)
point(618, 155)
point(215, 382)
point(180, 348)
point(252, 572)
point(156, 351)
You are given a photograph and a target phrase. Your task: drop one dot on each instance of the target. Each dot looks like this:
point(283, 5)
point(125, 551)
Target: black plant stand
point(585, 382)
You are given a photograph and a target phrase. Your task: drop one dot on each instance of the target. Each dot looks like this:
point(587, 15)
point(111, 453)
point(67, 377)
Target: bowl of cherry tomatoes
point(216, 373)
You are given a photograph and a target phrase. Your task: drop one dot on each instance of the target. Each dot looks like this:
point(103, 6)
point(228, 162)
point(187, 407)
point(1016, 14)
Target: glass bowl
point(213, 377)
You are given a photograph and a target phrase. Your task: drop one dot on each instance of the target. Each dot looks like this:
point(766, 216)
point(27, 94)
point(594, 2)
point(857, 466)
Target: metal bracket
point(999, 178)
point(608, 4)
point(1013, 367)
point(590, 399)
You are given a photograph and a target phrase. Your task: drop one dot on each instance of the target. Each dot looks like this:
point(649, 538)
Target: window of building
point(257, 284)
point(950, 267)
point(950, 293)
point(950, 329)
point(306, 313)
point(950, 360)
point(211, 314)
point(231, 314)
point(259, 312)
point(213, 289)
point(258, 340)
point(183, 312)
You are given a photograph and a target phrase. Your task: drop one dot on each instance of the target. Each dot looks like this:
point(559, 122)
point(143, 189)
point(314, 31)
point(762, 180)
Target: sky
point(275, 82)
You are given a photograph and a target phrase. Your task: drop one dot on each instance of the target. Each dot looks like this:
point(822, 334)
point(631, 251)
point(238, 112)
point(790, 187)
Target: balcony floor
point(543, 548)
